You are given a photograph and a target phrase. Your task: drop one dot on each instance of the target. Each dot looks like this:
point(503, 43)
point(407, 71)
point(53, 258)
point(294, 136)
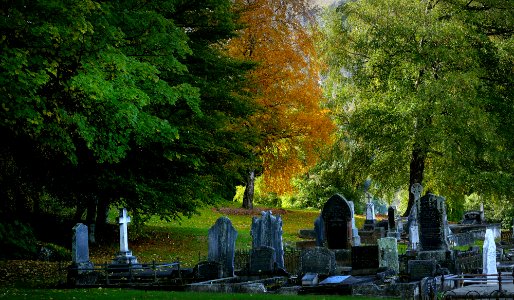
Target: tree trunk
point(249, 190)
point(417, 167)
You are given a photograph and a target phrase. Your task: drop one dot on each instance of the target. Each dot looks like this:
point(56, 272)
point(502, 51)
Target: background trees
point(416, 87)
point(279, 36)
point(121, 102)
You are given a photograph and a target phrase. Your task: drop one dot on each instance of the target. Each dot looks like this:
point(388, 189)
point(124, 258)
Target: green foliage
point(17, 241)
point(426, 82)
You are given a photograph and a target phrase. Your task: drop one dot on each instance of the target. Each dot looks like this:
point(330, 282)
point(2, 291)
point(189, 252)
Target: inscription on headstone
point(222, 244)
point(337, 217)
point(433, 227)
point(267, 231)
point(262, 260)
point(318, 260)
point(388, 253)
point(365, 257)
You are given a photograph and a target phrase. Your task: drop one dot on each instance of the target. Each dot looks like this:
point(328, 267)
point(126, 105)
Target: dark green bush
point(17, 241)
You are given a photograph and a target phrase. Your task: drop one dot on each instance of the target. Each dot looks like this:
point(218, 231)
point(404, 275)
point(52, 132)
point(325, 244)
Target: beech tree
point(279, 36)
point(423, 93)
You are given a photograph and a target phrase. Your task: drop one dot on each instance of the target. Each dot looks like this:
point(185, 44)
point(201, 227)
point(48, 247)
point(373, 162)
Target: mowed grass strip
point(124, 294)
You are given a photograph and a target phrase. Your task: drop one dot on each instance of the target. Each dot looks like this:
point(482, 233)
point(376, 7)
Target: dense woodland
point(166, 106)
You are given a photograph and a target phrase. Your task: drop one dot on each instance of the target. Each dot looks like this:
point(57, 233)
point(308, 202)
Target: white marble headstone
point(489, 253)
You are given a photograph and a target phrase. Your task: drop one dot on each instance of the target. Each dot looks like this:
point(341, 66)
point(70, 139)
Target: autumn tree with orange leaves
point(279, 36)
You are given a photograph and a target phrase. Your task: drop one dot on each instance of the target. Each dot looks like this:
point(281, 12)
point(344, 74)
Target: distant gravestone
point(391, 219)
point(267, 231)
point(319, 229)
point(432, 222)
point(416, 189)
point(80, 244)
point(489, 253)
point(318, 260)
point(356, 240)
point(419, 269)
point(388, 252)
point(262, 260)
point(337, 217)
point(365, 257)
point(222, 244)
point(369, 223)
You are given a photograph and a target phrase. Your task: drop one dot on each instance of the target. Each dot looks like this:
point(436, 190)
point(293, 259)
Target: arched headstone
point(337, 218)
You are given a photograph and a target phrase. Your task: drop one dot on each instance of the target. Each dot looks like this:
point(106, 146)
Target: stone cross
point(416, 189)
point(370, 208)
point(123, 220)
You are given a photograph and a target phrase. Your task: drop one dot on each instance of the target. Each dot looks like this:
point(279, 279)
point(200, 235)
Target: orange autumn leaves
point(279, 37)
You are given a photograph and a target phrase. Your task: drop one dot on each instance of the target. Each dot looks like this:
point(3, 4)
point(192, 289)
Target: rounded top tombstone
point(337, 216)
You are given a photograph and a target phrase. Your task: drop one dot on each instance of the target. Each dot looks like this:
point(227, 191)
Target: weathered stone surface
point(267, 231)
point(207, 270)
point(337, 217)
point(319, 229)
point(309, 234)
point(419, 269)
point(388, 253)
point(262, 260)
point(318, 260)
point(356, 240)
point(489, 253)
point(222, 244)
point(80, 244)
point(432, 222)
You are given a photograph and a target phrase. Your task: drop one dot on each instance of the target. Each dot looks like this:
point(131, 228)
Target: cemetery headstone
point(412, 223)
point(318, 260)
point(80, 248)
point(337, 217)
point(432, 222)
point(388, 252)
point(319, 229)
point(365, 257)
point(222, 244)
point(356, 240)
point(370, 209)
point(267, 231)
point(419, 269)
point(125, 255)
point(489, 253)
point(262, 260)
point(208, 270)
point(92, 238)
point(391, 216)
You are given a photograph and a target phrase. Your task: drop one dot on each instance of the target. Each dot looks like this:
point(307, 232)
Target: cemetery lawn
point(123, 294)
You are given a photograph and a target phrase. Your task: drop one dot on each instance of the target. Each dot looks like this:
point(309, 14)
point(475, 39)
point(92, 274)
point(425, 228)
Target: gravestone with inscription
point(80, 249)
point(337, 218)
point(318, 260)
point(222, 244)
point(267, 231)
point(388, 253)
point(432, 222)
point(262, 260)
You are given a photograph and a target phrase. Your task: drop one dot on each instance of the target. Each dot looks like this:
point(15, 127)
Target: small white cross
point(416, 189)
point(123, 220)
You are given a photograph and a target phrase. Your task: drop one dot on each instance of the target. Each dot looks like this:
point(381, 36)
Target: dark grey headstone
point(208, 270)
point(391, 218)
point(319, 229)
point(80, 246)
point(337, 217)
point(267, 231)
point(365, 257)
point(262, 260)
point(419, 269)
point(318, 260)
point(432, 222)
point(222, 244)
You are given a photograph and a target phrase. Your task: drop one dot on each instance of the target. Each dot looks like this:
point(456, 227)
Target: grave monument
point(222, 244)
point(267, 231)
point(125, 256)
point(337, 220)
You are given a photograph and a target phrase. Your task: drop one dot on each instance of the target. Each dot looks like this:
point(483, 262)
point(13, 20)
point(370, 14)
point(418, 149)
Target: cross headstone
point(356, 240)
point(267, 231)
point(489, 253)
point(222, 244)
point(123, 220)
point(370, 208)
point(416, 189)
point(337, 218)
point(388, 252)
point(125, 255)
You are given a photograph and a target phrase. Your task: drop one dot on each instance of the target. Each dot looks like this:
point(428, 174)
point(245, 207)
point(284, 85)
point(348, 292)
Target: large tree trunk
point(249, 191)
point(417, 167)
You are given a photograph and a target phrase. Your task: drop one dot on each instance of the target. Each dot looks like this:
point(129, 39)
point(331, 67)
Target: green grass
point(124, 294)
